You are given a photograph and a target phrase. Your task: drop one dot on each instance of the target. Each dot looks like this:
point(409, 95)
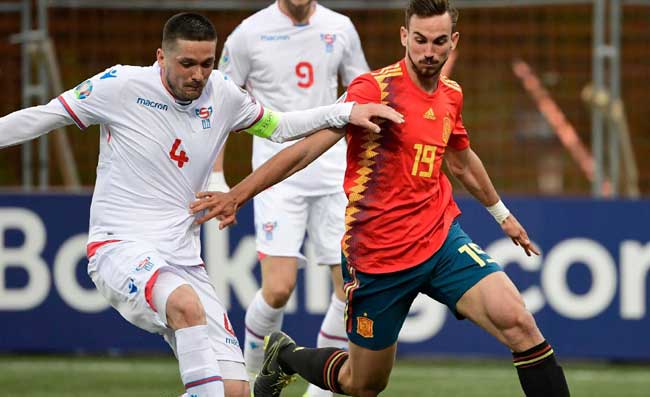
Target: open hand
point(517, 233)
point(221, 206)
point(363, 115)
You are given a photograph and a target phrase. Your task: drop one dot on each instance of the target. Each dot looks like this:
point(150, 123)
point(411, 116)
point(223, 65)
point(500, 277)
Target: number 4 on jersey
point(181, 158)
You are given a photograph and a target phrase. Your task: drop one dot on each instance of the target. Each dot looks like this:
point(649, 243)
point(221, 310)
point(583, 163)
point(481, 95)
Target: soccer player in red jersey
point(402, 237)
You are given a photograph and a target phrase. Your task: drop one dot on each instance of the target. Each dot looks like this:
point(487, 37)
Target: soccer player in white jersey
point(161, 129)
point(290, 55)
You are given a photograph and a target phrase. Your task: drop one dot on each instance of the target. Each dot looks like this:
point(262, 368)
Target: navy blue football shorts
point(377, 304)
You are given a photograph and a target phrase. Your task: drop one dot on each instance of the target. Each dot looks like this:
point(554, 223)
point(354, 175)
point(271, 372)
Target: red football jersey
point(400, 204)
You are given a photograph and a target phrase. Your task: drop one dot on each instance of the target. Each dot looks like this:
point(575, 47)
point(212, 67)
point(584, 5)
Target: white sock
point(332, 330)
point(198, 362)
point(332, 334)
point(261, 320)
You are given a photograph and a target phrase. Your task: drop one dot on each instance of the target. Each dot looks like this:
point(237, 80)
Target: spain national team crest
point(365, 327)
point(329, 40)
point(83, 90)
point(204, 114)
point(446, 128)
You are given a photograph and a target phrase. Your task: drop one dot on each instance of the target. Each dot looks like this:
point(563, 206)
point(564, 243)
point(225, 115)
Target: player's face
point(428, 42)
point(187, 66)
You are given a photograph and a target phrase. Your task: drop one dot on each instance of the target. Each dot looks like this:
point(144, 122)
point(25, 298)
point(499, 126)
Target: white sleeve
point(355, 62)
point(234, 61)
point(92, 101)
point(241, 106)
point(295, 125)
point(251, 117)
point(26, 124)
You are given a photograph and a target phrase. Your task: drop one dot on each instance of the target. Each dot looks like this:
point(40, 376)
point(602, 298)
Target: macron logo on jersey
point(275, 37)
point(111, 74)
point(152, 104)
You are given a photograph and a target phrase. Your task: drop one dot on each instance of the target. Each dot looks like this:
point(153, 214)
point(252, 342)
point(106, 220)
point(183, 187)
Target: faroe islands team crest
point(204, 114)
point(328, 39)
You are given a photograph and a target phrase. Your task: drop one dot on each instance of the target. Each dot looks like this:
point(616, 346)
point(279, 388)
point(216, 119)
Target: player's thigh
point(326, 225)
point(377, 304)
point(457, 266)
point(368, 369)
point(496, 305)
point(280, 223)
point(220, 330)
point(124, 273)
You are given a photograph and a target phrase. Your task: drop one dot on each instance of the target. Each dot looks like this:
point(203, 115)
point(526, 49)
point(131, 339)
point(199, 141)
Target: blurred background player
point(290, 56)
point(402, 235)
point(161, 129)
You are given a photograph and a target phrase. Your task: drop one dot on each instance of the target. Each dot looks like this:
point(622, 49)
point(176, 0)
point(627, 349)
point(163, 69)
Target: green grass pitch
point(30, 376)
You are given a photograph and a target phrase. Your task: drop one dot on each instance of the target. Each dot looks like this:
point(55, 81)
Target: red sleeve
point(363, 89)
point(459, 139)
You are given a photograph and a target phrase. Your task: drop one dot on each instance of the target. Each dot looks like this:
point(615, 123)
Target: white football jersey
point(155, 153)
point(294, 67)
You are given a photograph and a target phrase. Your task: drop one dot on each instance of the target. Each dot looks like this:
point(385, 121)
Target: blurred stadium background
point(590, 217)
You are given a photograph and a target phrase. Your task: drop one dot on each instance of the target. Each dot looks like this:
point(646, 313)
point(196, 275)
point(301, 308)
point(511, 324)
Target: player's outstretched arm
point(26, 124)
point(224, 206)
point(298, 124)
point(468, 168)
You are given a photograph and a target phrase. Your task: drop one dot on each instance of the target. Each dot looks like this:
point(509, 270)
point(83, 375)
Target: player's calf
point(539, 373)
point(364, 387)
point(236, 388)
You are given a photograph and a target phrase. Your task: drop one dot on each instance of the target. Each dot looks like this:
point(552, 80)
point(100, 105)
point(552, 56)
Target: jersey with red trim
point(400, 203)
point(295, 67)
point(155, 153)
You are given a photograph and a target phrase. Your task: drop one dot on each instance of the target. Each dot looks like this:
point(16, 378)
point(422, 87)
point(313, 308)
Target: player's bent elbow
point(457, 169)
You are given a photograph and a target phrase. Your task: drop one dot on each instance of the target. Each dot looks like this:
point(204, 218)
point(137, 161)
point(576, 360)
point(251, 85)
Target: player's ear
point(454, 40)
point(160, 56)
point(404, 35)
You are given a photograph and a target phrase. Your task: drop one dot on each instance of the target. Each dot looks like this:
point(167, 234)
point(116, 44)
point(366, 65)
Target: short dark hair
point(429, 8)
point(187, 26)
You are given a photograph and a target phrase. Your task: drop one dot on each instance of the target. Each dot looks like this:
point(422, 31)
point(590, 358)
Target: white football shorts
point(281, 220)
point(125, 272)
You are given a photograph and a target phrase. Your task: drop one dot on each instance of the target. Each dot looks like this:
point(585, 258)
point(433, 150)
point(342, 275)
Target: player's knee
point(518, 327)
point(184, 308)
point(236, 388)
point(278, 294)
point(367, 387)
point(508, 314)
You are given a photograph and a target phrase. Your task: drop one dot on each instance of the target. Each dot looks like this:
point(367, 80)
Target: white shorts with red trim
point(125, 273)
point(282, 218)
